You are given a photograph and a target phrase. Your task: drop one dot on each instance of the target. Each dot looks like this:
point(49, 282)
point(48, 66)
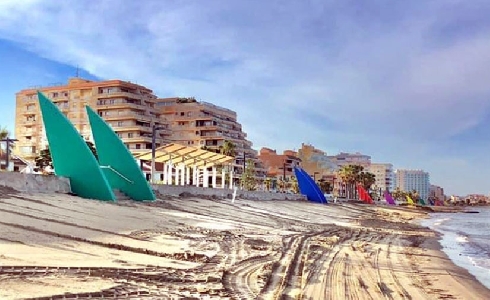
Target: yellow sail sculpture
point(409, 200)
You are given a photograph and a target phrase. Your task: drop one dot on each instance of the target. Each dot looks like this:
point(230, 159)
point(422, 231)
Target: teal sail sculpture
point(72, 158)
point(117, 163)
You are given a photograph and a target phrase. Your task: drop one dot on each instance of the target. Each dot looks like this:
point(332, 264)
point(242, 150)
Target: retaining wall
point(192, 191)
point(35, 183)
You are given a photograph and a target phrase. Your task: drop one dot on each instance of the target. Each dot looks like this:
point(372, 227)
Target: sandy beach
point(189, 248)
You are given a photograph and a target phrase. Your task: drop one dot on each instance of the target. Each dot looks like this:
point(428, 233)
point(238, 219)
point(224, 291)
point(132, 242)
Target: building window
point(130, 135)
point(138, 146)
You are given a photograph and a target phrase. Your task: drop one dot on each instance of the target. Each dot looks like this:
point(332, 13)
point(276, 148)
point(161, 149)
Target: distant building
point(437, 192)
point(344, 159)
point(409, 180)
point(127, 107)
point(384, 175)
point(316, 162)
point(205, 125)
point(279, 166)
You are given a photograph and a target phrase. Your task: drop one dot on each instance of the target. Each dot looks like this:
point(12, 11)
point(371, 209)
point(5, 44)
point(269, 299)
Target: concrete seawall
point(192, 191)
point(34, 183)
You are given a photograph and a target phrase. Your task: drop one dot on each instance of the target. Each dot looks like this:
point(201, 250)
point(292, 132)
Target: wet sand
point(188, 248)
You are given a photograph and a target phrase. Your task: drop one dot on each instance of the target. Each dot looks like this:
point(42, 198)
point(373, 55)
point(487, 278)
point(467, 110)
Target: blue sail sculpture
point(308, 187)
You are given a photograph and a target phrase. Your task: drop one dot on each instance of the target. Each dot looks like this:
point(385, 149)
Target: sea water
point(466, 239)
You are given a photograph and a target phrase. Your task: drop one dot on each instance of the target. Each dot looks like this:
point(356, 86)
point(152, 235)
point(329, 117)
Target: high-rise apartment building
point(129, 108)
point(409, 180)
point(384, 175)
point(345, 159)
point(205, 125)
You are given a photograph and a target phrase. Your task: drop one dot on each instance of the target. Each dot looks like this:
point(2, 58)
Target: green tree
point(325, 186)
point(350, 175)
point(44, 158)
point(293, 185)
point(4, 134)
point(268, 183)
point(366, 179)
point(228, 148)
point(248, 180)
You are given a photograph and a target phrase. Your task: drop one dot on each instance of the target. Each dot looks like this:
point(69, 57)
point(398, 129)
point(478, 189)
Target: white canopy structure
point(180, 162)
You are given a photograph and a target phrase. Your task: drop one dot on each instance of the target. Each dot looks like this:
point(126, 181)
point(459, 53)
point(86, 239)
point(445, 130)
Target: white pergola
point(181, 162)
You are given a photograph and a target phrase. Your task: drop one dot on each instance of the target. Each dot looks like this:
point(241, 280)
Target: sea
point(466, 239)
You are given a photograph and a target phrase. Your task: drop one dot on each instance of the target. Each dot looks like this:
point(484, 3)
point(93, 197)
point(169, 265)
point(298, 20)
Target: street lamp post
point(153, 148)
point(7, 159)
point(244, 168)
point(284, 164)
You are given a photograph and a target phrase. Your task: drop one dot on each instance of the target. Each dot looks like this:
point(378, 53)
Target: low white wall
point(192, 191)
point(35, 183)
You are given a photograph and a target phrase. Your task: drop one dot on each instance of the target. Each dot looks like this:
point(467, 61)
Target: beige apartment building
point(205, 125)
point(345, 159)
point(384, 175)
point(129, 108)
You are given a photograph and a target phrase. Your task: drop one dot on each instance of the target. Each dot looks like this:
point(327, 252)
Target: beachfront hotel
point(204, 125)
point(129, 108)
point(384, 175)
point(409, 180)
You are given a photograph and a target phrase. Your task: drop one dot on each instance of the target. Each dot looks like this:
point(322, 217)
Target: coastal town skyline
point(337, 93)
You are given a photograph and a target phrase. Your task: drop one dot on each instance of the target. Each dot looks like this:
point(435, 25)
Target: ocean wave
point(466, 241)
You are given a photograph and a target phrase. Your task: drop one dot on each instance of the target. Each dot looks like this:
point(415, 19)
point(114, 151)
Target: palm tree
point(294, 185)
point(228, 148)
point(4, 134)
point(367, 179)
point(350, 174)
point(268, 183)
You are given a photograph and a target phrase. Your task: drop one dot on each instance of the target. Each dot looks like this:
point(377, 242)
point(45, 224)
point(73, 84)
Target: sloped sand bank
point(211, 249)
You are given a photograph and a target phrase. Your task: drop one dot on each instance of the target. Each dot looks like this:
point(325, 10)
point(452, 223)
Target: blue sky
point(403, 81)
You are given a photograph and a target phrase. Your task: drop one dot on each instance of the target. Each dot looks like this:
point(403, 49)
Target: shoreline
point(191, 247)
point(453, 240)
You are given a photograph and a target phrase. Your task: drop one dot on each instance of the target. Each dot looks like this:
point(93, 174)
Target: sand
point(53, 245)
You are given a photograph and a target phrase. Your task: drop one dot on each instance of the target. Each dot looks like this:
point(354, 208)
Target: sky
point(403, 81)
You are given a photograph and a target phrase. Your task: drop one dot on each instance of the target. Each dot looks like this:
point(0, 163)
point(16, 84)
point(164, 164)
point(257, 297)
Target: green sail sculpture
point(72, 158)
point(117, 162)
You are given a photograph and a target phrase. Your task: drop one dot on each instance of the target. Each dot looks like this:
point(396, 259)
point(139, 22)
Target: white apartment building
point(409, 180)
point(384, 175)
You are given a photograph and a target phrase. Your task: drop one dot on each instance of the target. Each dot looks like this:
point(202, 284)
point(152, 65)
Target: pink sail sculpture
point(389, 199)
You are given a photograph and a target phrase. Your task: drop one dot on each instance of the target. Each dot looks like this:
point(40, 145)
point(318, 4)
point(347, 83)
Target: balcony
point(27, 132)
point(119, 94)
point(120, 104)
point(131, 127)
point(128, 116)
point(30, 112)
point(137, 139)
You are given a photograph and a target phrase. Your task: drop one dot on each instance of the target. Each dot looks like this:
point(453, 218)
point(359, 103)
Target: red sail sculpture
point(364, 195)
